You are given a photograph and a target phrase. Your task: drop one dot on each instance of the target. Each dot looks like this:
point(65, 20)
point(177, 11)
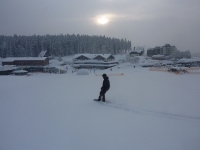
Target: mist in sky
point(147, 23)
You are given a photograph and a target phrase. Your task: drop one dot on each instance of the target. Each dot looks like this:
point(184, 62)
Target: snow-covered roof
point(157, 56)
point(11, 59)
point(20, 71)
point(42, 53)
point(92, 56)
point(7, 67)
point(167, 63)
point(137, 50)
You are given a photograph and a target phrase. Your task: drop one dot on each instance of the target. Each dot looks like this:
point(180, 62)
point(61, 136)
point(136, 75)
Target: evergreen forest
point(60, 45)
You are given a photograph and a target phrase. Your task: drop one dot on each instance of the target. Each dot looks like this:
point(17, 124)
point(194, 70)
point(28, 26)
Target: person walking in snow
point(105, 87)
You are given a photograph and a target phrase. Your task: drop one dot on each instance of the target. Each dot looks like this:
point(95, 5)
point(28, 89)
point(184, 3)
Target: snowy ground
point(145, 110)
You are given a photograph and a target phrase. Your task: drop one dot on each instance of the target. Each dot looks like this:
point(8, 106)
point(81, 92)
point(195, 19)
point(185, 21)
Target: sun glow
point(105, 19)
point(102, 20)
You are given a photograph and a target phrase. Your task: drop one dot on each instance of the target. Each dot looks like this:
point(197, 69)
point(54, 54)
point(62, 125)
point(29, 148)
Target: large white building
point(168, 49)
point(164, 50)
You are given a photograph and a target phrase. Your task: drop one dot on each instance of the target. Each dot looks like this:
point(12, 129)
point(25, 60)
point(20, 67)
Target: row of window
point(28, 62)
point(96, 63)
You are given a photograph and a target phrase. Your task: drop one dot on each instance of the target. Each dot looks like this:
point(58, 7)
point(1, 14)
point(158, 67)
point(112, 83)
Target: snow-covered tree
point(178, 54)
point(132, 59)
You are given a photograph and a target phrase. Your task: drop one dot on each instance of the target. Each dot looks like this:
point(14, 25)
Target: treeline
point(59, 45)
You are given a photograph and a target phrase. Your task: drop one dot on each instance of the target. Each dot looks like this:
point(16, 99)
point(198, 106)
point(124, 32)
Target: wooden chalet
point(101, 61)
point(103, 57)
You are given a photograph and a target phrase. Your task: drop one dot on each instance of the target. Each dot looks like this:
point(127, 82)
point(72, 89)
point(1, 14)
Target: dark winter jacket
point(106, 83)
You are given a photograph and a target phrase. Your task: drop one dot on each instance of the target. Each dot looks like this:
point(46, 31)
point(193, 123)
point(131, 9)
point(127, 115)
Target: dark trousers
point(102, 94)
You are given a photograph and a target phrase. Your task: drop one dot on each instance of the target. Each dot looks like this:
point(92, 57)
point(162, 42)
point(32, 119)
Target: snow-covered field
point(145, 110)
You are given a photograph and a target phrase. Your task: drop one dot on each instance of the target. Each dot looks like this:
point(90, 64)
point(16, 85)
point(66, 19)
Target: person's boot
point(99, 98)
point(103, 100)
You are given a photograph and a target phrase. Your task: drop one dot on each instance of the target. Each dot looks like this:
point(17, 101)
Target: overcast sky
point(147, 23)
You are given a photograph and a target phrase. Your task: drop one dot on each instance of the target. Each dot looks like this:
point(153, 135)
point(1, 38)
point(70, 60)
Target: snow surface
point(83, 72)
point(145, 110)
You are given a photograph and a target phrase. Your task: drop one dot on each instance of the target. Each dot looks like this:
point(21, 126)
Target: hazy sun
point(102, 20)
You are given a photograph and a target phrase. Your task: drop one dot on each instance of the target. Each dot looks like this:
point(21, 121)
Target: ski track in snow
point(151, 112)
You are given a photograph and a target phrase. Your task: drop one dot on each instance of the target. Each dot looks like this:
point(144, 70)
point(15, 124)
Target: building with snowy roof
point(26, 61)
point(158, 57)
point(4, 71)
point(20, 72)
point(138, 51)
point(101, 61)
point(195, 62)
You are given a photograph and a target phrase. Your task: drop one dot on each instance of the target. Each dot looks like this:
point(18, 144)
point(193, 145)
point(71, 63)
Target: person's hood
point(105, 77)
